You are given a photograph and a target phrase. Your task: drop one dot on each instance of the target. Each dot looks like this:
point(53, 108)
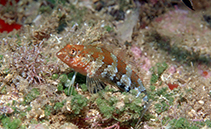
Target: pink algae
point(146, 63)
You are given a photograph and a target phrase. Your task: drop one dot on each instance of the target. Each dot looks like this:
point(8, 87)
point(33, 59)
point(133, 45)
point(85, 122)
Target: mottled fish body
point(100, 65)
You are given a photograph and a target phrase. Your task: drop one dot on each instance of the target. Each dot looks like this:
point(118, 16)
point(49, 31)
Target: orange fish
point(100, 65)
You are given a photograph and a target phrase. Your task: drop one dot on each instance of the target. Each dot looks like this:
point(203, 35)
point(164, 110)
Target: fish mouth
point(62, 54)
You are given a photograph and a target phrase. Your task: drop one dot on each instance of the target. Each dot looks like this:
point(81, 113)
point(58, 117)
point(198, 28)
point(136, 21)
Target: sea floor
point(164, 42)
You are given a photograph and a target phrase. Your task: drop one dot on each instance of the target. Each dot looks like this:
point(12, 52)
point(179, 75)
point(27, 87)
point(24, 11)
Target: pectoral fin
point(94, 85)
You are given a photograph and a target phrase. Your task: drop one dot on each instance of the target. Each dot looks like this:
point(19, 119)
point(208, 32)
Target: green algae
point(78, 102)
point(31, 96)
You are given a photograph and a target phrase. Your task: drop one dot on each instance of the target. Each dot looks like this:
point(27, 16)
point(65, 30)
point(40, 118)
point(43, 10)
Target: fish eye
point(73, 52)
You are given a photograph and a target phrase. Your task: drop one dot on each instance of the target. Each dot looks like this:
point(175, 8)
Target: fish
point(101, 66)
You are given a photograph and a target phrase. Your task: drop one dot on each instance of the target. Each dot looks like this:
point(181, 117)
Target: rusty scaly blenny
point(100, 65)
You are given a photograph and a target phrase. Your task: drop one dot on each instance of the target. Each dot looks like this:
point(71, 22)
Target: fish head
point(71, 55)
